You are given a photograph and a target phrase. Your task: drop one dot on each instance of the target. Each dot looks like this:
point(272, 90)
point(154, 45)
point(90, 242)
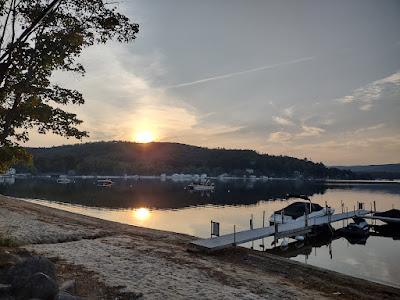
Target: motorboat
point(297, 211)
point(201, 186)
point(105, 182)
point(391, 216)
point(62, 179)
point(358, 227)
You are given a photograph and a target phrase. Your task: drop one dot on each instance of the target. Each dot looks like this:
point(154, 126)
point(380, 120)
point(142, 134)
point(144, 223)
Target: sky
point(316, 79)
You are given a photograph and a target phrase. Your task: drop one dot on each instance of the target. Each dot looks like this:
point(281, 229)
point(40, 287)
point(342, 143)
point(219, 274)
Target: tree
point(38, 37)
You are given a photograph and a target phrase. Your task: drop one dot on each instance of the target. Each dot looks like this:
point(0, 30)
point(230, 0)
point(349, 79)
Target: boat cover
point(298, 209)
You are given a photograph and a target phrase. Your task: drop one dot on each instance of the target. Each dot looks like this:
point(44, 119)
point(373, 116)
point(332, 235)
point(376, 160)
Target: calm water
point(167, 206)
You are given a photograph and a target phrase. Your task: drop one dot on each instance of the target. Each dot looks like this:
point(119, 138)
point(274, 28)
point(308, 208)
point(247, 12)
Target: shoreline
point(190, 178)
point(156, 264)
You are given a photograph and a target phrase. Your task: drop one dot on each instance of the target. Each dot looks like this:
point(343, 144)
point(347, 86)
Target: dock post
point(234, 235)
point(374, 206)
point(251, 222)
point(342, 207)
point(306, 219)
point(263, 218)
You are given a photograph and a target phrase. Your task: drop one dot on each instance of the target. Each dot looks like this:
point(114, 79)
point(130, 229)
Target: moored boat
point(358, 227)
point(297, 211)
point(391, 216)
point(105, 182)
point(202, 186)
point(62, 179)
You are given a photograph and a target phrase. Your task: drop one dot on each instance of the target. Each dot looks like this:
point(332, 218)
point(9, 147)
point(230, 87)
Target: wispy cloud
point(280, 137)
point(289, 111)
point(367, 95)
point(370, 128)
point(310, 131)
point(229, 75)
point(282, 121)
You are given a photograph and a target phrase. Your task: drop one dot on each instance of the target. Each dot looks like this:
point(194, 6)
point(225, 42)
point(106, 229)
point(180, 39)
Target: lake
point(166, 205)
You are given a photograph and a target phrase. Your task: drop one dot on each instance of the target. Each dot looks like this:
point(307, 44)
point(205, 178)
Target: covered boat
point(202, 186)
point(389, 216)
point(297, 211)
point(359, 227)
point(62, 179)
point(105, 182)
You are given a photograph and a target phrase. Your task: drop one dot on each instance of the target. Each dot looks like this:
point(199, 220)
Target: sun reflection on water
point(142, 213)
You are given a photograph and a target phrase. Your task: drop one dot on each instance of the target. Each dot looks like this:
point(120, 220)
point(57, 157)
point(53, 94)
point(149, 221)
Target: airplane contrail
point(218, 77)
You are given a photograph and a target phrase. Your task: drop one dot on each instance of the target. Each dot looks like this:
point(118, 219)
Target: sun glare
point(142, 213)
point(144, 137)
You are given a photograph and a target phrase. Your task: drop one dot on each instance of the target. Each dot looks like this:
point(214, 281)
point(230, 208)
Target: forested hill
point(118, 158)
point(388, 171)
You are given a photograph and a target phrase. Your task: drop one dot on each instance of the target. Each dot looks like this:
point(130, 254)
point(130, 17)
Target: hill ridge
point(122, 157)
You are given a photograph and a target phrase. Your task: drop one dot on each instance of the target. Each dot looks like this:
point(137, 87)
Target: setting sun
point(144, 137)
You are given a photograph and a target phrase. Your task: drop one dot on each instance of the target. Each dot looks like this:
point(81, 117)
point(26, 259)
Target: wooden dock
point(281, 230)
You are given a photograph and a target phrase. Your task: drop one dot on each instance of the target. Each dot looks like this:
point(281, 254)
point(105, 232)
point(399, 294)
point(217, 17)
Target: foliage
point(120, 158)
point(6, 241)
point(10, 155)
point(28, 98)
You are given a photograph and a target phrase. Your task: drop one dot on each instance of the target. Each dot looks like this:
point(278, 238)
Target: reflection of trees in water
point(389, 188)
point(157, 194)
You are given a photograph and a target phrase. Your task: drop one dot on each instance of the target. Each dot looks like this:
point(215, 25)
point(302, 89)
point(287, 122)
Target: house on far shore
point(10, 172)
point(250, 171)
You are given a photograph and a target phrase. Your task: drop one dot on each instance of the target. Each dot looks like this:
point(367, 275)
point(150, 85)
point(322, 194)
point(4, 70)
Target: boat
point(297, 210)
point(201, 186)
point(391, 216)
point(105, 182)
point(62, 179)
point(359, 227)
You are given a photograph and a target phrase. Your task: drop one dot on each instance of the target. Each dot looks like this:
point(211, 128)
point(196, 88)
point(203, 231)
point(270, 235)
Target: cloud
point(347, 99)
point(289, 111)
point(366, 107)
point(229, 75)
point(310, 131)
point(280, 137)
point(370, 128)
point(282, 121)
point(367, 95)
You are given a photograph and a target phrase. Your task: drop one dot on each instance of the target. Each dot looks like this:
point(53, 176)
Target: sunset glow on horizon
point(144, 137)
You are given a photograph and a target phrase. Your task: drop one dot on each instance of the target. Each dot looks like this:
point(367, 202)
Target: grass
point(6, 241)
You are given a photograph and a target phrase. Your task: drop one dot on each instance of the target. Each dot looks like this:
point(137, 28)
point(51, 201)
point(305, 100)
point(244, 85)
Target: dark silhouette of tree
point(38, 37)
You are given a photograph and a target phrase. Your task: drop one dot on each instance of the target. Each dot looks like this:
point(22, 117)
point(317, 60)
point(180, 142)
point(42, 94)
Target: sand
point(155, 264)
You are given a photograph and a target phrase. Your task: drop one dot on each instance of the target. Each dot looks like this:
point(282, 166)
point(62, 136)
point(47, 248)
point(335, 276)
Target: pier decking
point(282, 230)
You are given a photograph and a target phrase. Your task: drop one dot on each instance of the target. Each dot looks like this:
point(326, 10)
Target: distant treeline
point(119, 158)
point(386, 171)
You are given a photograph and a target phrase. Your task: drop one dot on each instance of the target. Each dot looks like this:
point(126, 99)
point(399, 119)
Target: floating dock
point(281, 230)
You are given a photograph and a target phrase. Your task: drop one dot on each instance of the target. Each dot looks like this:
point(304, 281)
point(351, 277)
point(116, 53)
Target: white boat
point(359, 225)
point(202, 186)
point(297, 211)
point(62, 179)
point(105, 182)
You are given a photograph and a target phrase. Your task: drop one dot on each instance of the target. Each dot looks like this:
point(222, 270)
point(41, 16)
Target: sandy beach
point(113, 260)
